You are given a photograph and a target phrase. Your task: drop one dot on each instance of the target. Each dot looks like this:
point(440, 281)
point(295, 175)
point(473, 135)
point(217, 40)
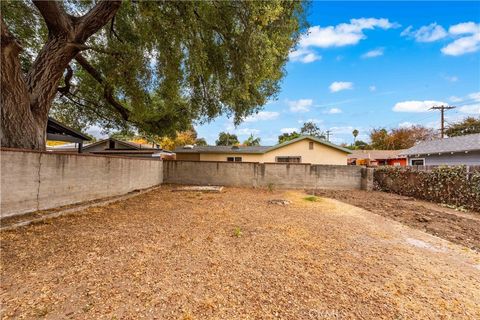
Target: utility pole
point(442, 109)
point(328, 135)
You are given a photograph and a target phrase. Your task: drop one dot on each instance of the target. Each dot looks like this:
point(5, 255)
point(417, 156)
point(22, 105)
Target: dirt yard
point(187, 255)
point(459, 227)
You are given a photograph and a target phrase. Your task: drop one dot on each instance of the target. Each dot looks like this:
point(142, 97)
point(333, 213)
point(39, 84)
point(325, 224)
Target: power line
point(442, 109)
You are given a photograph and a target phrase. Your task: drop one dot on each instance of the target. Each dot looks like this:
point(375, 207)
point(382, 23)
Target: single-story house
point(304, 149)
point(57, 131)
point(377, 158)
point(117, 147)
point(449, 151)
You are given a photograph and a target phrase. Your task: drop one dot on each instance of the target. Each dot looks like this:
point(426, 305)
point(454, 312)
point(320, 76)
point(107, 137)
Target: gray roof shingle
point(469, 142)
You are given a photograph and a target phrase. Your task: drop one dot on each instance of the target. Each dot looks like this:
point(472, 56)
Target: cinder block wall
point(263, 174)
point(41, 180)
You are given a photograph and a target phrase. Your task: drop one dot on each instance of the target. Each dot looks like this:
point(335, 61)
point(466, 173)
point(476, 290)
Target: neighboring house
point(450, 151)
point(304, 149)
point(377, 158)
point(116, 147)
point(57, 131)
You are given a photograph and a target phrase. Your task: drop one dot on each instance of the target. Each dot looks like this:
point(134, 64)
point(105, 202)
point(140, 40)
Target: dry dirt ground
point(232, 255)
point(459, 227)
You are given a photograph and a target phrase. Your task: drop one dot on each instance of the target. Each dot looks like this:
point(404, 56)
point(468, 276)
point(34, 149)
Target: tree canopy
point(227, 139)
point(399, 138)
point(312, 129)
point(284, 137)
point(155, 65)
point(469, 125)
point(252, 141)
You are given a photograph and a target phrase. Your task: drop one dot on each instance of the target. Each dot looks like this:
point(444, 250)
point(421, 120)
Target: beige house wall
point(321, 154)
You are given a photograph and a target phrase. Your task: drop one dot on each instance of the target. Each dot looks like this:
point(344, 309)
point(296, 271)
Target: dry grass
point(165, 255)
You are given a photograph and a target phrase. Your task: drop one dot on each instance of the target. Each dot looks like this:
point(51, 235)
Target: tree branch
point(96, 18)
point(68, 76)
point(107, 89)
point(54, 15)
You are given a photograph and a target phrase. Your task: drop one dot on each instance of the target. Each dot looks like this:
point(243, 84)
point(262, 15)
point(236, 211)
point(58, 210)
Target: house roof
point(254, 149)
point(128, 145)
point(60, 132)
point(376, 154)
point(469, 142)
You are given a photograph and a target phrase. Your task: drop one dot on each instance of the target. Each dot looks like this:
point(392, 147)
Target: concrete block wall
point(33, 180)
point(281, 175)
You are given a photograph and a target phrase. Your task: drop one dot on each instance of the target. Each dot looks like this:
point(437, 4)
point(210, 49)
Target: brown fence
point(457, 186)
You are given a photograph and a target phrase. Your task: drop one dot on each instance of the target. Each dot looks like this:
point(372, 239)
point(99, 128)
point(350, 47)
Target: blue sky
point(376, 64)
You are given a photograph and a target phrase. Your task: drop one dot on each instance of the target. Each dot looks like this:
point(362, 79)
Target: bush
point(449, 185)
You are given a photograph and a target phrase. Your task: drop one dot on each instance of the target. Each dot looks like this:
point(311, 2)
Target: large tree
point(227, 139)
point(312, 129)
point(399, 138)
point(155, 65)
point(284, 137)
point(468, 125)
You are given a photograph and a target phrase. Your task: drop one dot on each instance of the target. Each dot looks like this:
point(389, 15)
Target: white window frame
point(413, 159)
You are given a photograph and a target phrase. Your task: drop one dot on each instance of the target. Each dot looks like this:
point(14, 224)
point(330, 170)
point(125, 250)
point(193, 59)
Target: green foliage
point(311, 129)
point(399, 138)
point(469, 125)
point(271, 187)
point(284, 137)
point(237, 232)
point(452, 185)
point(201, 142)
point(171, 63)
point(252, 141)
point(227, 139)
point(311, 198)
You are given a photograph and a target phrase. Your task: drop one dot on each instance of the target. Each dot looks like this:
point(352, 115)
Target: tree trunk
point(19, 127)
point(26, 101)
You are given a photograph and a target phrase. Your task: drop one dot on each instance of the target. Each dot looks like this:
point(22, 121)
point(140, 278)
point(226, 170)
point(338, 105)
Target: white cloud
point(469, 42)
point(466, 37)
point(374, 53)
point(302, 105)
point(340, 85)
point(416, 106)
point(405, 124)
point(465, 27)
point(262, 115)
point(343, 34)
point(372, 88)
point(463, 45)
point(317, 121)
point(455, 99)
point(474, 96)
point(304, 55)
point(288, 130)
point(246, 131)
point(470, 109)
point(451, 78)
point(333, 111)
point(430, 33)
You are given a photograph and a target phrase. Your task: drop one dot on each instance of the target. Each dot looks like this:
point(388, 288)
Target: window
point(417, 162)
point(288, 159)
point(111, 144)
point(234, 159)
point(310, 145)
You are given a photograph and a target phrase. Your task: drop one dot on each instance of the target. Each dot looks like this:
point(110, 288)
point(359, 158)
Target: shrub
point(449, 185)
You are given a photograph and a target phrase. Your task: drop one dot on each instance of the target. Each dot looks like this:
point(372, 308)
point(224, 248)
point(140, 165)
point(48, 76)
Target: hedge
point(449, 185)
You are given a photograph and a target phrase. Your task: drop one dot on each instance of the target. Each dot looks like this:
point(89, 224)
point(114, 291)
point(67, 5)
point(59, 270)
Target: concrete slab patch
point(214, 189)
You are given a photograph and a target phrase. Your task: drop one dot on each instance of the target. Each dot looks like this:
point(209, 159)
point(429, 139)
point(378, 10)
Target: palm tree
point(355, 134)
